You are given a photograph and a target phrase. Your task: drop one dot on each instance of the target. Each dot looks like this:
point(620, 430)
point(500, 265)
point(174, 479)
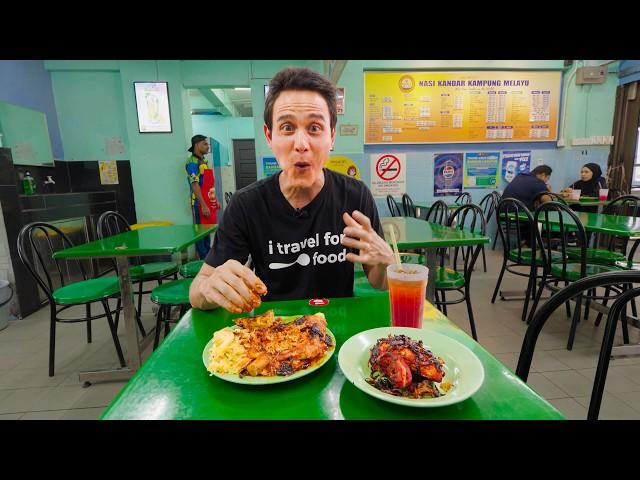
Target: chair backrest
point(554, 198)
point(564, 295)
point(513, 227)
point(407, 206)
point(463, 198)
point(554, 237)
point(468, 217)
point(393, 206)
point(227, 197)
point(627, 205)
point(38, 240)
point(488, 205)
point(438, 213)
point(111, 223)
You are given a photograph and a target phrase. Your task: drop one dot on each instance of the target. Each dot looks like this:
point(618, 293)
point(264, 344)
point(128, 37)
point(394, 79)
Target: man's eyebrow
point(288, 116)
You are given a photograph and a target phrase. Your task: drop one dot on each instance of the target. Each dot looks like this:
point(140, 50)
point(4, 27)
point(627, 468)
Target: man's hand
point(231, 286)
point(359, 234)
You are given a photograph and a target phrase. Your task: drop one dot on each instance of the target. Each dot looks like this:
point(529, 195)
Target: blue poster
point(514, 163)
point(447, 177)
point(269, 166)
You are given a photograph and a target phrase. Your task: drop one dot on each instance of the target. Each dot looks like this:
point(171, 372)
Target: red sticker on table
point(318, 302)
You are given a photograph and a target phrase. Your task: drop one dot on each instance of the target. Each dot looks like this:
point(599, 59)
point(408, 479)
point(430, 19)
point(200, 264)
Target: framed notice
point(340, 100)
point(152, 106)
point(461, 106)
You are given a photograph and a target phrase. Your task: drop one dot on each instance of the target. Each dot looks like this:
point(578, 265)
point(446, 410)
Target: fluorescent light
point(242, 88)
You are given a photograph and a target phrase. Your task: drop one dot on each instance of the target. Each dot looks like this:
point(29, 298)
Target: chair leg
point(444, 299)
point(114, 333)
point(117, 320)
point(537, 298)
point(495, 240)
point(140, 326)
point(634, 309)
point(495, 291)
point(470, 310)
point(183, 310)
point(568, 303)
point(52, 341)
point(625, 325)
point(167, 321)
point(140, 297)
point(574, 322)
point(607, 290)
point(587, 303)
point(156, 340)
point(528, 294)
point(484, 260)
point(88, 310)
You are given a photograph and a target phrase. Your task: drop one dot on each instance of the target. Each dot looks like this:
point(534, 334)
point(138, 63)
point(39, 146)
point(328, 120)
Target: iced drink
point(407, 288)
point(604, 193)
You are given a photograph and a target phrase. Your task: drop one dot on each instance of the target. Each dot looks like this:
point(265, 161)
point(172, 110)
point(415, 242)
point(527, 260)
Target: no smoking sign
point(388, 174)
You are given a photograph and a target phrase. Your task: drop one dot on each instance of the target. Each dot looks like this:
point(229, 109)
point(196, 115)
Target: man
point(527, 185)
point(303, 227)
point(196, 166)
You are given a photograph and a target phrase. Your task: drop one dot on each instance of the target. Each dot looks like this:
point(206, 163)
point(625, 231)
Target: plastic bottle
point(28, 184)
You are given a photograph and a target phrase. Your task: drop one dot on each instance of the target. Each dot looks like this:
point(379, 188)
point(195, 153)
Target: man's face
point(202, 147)
point(544, 177)
point(301, 136)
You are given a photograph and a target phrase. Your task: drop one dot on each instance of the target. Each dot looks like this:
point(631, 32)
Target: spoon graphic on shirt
point(303, 259)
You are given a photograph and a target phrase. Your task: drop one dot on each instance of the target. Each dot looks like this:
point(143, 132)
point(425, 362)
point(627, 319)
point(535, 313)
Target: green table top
point(587, 202)
point(619, 225)
point(416, 233)
point(174, 384)
point(147, 241)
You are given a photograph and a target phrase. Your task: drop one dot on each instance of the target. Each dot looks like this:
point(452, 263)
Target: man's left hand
point(359, 234)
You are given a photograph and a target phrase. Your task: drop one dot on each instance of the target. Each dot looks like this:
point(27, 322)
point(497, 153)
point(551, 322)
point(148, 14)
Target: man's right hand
point(231, 286)
point(205, 210)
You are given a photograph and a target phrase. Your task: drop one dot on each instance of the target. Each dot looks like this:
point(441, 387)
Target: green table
point(147, 241)
point(415, 233)
point(619, 225)
point(174, 384)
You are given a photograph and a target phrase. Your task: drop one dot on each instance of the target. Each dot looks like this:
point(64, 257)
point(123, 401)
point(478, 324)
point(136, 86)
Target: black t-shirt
point(524, 188)
point(259, 221)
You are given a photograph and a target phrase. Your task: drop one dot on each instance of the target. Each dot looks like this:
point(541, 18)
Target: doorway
point(244, 161)
point(624, 162)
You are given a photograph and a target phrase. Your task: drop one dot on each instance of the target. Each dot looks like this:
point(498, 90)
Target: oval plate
point(462, 367)
point(248, 380)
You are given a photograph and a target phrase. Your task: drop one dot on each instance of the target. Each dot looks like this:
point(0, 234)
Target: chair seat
point(525, 256)
point(175, 292)
point(86, 291)
point(573, 270)
point(448, 278)
point(191, 269)
point(627, 265)
point(152, 271)
point(596, 255)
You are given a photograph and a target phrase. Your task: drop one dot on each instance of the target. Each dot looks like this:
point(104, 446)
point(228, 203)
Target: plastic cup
point(604, 194)
point(575, 194)
point(407, 289)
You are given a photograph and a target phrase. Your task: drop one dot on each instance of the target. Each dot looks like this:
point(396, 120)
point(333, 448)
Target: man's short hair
point(295, 78)
point(545, 169)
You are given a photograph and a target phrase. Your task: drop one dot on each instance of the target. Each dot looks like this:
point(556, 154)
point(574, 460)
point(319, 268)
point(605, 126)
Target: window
point(636, 163)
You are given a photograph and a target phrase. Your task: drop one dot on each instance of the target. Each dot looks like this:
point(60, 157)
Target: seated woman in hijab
point(590, 183)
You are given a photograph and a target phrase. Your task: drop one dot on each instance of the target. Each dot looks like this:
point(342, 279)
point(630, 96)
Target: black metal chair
point(488, 205)
point(467, 217)
point(438, 213)
point(112, 223)
point(498, 197)
point(554, 198)
point(36, 240)
point(514, 231)
point(563, 268)
point(393, 206)
point(617, 310)
point(463, 198)
point(227, 197)
point(407, 206)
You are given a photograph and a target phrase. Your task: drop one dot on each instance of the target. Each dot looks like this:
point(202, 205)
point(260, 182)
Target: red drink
point(407, 294)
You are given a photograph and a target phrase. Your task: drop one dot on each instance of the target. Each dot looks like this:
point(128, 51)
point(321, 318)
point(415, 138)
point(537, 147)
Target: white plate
point(462, 367)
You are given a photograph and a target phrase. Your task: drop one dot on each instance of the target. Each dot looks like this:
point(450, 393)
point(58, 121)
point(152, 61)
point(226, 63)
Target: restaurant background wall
point(27, 83)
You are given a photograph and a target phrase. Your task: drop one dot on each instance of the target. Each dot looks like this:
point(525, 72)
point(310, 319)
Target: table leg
point(131, 332)
point(431, 255)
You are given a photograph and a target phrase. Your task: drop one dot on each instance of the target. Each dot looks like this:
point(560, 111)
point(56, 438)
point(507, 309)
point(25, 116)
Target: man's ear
point(267, 134)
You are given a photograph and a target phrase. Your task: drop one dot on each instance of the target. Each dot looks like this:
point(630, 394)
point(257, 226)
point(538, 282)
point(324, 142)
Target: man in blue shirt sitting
point(527, 185)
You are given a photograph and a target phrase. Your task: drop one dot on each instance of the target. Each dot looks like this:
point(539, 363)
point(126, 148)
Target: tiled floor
point(563, 377)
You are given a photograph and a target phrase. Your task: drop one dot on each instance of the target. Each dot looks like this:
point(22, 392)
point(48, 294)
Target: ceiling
point(221, 101)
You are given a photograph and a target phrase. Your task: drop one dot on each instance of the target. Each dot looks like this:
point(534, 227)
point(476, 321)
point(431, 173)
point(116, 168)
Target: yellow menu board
point(461, 107)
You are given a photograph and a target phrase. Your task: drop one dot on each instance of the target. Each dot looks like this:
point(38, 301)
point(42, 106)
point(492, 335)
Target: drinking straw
point(395, 246)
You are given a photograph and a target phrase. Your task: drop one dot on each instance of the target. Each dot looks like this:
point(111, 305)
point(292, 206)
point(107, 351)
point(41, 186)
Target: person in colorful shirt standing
point(199, 175)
